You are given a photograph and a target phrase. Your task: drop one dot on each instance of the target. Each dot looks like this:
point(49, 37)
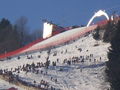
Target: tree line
point(111, 34)
point(14, 36)
point(113, 65)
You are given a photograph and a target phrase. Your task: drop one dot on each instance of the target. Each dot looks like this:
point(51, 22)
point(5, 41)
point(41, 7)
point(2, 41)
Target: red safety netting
point(19, 51)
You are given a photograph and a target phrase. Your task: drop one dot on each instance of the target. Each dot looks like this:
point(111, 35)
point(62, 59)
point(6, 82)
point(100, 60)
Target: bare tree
point(36, 34)
point(21, 27)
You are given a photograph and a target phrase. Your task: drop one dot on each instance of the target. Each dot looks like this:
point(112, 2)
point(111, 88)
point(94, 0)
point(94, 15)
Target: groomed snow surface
point(85, 74)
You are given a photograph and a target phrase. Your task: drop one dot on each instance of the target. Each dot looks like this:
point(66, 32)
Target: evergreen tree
point(9, 39)
point(109, 31)
point(96, 34)
point(113, 65)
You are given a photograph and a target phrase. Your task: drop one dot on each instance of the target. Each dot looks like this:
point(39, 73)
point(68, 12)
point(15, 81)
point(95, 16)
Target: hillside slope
point(56, 39)
point(61, 38)
point(80, 65)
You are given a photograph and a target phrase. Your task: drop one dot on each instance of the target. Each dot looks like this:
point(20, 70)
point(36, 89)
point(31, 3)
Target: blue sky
point(62, 12)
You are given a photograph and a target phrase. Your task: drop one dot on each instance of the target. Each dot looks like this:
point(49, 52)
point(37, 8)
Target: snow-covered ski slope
point(52, 41)
point(61, 38)
point(4, 85)
point(87, 75)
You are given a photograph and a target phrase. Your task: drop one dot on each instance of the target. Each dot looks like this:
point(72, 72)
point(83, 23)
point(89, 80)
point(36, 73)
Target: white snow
point(4, 85)
point(61, 37)
point(79, 76)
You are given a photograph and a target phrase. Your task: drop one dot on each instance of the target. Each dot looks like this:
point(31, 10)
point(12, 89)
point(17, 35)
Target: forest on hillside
point(110, 33)
point(14, 36)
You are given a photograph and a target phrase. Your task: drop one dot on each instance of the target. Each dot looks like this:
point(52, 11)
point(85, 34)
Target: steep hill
point(76, 65)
